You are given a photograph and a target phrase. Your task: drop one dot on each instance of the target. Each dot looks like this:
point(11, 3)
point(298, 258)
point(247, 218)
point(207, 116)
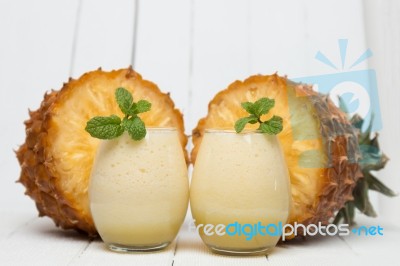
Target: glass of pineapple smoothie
point(139, 190)
point(240, 181)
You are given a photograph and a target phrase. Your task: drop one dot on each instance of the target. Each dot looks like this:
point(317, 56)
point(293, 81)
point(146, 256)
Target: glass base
point(135, 249)
point(241, 252)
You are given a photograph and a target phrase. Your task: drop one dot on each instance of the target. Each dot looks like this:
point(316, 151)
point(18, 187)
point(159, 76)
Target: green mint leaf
point(256, 110)
point(143, 106)
point(132, 110)
point(248, 106)
point(272, 126)
point(135, 127)
point(253, 120)
point(263, 106)
point(124, 100)
point(241, 123)
point(112, 127)
point(102, 127)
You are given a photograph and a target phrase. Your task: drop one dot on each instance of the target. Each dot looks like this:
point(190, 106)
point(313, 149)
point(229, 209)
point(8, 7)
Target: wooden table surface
point(26, 239)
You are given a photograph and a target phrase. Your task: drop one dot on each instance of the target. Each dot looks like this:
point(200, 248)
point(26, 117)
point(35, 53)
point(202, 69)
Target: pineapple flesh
point(319, 144)
point(57, 156)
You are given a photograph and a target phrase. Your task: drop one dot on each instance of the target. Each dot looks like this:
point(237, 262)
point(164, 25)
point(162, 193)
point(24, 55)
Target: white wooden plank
point(383, 36)
point(38, 242)
point(163, 47)
point(105, 35)
point(41, 243)
point(278, 39)
point(382, 249)
point(11, 221)
point(35, 53)
point(97, 254)
point(220, 50)
point(318, 250)
point(286, 35)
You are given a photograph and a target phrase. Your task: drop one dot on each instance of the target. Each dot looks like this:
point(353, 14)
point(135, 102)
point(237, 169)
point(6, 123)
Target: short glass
point(139, 191)
point(240, 181)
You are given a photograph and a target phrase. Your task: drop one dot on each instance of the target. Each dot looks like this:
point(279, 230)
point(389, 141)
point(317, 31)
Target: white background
point(193, 49)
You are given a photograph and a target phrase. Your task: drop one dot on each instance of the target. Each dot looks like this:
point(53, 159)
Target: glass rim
point(150, 128)
point(230, 131)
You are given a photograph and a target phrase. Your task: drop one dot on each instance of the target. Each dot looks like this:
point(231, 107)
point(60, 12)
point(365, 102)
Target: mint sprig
point(261, 107)
point(109, 127)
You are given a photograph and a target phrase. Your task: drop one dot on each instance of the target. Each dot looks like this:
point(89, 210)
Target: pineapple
point(57, 156)
point(319, 143)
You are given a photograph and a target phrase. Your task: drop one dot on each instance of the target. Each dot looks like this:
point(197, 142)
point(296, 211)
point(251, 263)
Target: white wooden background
point(191, 48)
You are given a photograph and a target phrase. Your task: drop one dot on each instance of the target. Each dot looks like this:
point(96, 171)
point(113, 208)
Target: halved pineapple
point(319, 144)
point(57, 157)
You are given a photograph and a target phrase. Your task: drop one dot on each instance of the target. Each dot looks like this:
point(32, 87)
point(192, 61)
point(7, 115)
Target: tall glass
point(139, 190)
point(241, 182)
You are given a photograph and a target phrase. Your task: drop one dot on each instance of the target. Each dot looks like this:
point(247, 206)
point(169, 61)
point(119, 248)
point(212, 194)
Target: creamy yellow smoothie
point(242, 179)
point(139, 190)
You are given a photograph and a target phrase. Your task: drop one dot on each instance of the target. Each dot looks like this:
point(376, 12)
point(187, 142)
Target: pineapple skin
point(336, 179)
point(36, 174)
point(39, 172)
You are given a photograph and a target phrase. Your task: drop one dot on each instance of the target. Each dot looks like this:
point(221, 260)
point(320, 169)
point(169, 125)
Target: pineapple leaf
point(350, 208)
point(343, 106)
point(357, 122)
point(375, 184)
point(339, 217)
point(346, 215)
point(372, 158)
point(361, 198)
point(364, 137)
point(375, 142)
point(369, 210)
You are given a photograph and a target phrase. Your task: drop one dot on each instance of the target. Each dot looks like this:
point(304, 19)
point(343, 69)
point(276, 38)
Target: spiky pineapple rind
point(372, 159)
